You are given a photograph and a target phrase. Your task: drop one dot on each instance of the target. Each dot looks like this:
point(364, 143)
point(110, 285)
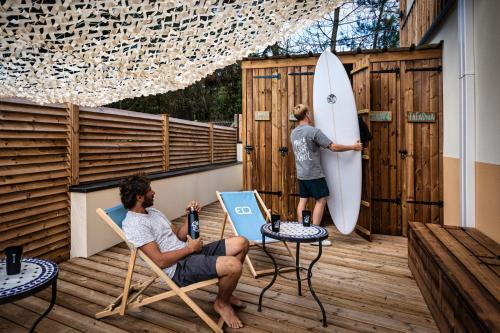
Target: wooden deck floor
point(364, 287)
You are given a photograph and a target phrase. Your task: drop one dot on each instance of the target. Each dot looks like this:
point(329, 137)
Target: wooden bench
point(458, 272)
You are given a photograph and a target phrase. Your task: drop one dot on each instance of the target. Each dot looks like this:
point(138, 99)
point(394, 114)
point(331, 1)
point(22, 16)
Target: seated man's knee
point(228, 265)
point(243, 243)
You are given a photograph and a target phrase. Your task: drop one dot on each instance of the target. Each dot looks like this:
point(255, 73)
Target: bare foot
point(236, 302)
point(227, 313)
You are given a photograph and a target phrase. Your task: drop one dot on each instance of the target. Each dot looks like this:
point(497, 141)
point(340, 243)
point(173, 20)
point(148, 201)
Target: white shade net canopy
point(92, 53)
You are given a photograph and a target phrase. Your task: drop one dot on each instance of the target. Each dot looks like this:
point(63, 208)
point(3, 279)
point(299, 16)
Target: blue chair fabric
point(117, 214)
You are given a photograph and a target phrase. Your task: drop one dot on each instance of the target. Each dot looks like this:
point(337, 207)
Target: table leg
point(309, 275)
point(275, 273)
point(297, 268)
point(51, 305)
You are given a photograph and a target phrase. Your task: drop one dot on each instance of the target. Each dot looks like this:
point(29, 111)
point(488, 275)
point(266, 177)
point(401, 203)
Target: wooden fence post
point(74, 143)
point(166, 142)
point(211, 141)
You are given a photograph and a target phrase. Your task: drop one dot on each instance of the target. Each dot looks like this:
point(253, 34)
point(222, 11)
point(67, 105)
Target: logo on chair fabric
point(245, 210)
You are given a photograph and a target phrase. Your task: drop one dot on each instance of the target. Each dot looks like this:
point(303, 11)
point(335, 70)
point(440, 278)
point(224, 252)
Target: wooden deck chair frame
point(131, 297)
point(262, 272)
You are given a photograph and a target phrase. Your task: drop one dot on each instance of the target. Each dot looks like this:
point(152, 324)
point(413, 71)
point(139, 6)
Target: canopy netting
point(93, 53)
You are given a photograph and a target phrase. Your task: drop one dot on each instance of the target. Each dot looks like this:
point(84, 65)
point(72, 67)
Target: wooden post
point(211, 141)
point(74, 143)
point(166, 142)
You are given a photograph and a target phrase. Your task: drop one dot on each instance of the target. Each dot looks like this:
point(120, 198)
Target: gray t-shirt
point(306, 143)
point(141, 229)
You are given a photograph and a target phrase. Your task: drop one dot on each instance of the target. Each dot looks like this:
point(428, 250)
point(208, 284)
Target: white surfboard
point(335, 114)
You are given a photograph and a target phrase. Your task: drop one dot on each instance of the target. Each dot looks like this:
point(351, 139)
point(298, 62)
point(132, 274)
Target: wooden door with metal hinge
point(421, 149)
point(361, 87)
point(385, 171)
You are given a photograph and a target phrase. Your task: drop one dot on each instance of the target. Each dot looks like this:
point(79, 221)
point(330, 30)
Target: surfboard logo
point(331, 99)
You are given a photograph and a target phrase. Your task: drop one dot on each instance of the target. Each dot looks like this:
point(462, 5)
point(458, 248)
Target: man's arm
point(167, 259)
point(340, 148)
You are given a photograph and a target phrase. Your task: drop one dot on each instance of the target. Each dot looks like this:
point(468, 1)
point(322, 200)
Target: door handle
point(403, 153)
point(283, 150)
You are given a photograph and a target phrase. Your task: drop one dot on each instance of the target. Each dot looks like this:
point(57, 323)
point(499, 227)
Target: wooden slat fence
point(45, 149)
point(34, 177)
point(116, 143)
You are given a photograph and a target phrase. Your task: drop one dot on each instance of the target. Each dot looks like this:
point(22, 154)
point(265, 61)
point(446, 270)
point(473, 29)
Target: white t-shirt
point(141, 229)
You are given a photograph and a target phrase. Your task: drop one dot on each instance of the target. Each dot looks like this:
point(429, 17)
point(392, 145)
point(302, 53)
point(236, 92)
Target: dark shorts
point(316, 188)
point(199, 266)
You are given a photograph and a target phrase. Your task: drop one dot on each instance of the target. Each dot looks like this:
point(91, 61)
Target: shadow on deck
point(364, 287)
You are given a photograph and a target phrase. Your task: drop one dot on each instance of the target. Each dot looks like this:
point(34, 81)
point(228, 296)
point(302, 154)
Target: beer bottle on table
point(193, 223)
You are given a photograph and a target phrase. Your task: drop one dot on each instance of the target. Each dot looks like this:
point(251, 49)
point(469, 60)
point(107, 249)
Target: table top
point(291, 231)
point(35, 275)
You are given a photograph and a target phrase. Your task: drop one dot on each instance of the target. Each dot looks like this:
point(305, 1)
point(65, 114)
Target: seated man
point(183, 259)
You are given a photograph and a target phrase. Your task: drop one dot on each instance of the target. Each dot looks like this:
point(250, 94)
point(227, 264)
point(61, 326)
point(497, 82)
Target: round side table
point(295, 232)
point(35, 275)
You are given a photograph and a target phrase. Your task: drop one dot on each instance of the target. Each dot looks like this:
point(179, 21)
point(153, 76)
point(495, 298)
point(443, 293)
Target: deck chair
point(131, 297)
point(242, 211)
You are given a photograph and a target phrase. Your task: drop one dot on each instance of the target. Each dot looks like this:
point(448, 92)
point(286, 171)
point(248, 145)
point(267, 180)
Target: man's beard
point(147, 203)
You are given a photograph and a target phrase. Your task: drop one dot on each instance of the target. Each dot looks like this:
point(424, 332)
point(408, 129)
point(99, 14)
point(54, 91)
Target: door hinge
point(439, 203)
point(300, 73)
point(278, 193)
point(274, 76)
point(391, 70)
point(425, 69)
point(396, 201)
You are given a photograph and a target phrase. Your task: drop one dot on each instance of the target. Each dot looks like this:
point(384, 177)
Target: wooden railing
point(44, 149)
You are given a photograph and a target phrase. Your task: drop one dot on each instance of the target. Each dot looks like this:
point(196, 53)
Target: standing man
point(184, 260)
point(306, 143)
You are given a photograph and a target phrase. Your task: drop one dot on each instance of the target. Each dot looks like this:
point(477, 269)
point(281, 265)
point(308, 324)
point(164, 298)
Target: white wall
point(448, 33)
point(90, 235)
point(487, 56)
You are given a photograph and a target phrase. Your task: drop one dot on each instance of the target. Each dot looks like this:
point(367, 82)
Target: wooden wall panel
point(415, 22)
point(34, 179)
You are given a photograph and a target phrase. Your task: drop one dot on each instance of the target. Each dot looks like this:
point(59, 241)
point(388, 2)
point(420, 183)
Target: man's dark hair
point(131, 187)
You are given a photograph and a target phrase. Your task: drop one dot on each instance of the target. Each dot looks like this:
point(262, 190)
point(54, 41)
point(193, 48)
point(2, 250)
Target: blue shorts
point(315, 188)
point(199, 266)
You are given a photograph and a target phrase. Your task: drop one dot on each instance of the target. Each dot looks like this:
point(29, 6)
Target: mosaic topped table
point(297, 233)
point(35, 275)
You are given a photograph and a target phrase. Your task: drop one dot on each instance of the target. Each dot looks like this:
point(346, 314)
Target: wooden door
point(421, 150)
point(385, 174)
point(258, 133)
point(361, 88)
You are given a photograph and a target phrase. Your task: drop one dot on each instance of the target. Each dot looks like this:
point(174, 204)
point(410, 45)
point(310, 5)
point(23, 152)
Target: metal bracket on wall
point(300, 73)
point(439, 203)
point(382, 71)
point(249, 148)
point(274, 76)
point(425, 69)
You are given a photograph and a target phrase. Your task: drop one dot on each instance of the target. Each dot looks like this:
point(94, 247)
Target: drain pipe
point(467, 113)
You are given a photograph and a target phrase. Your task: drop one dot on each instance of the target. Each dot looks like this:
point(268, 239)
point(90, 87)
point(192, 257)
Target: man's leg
point(319, 209)
point(229, 270)
point(237, 247)
point(301, 206)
